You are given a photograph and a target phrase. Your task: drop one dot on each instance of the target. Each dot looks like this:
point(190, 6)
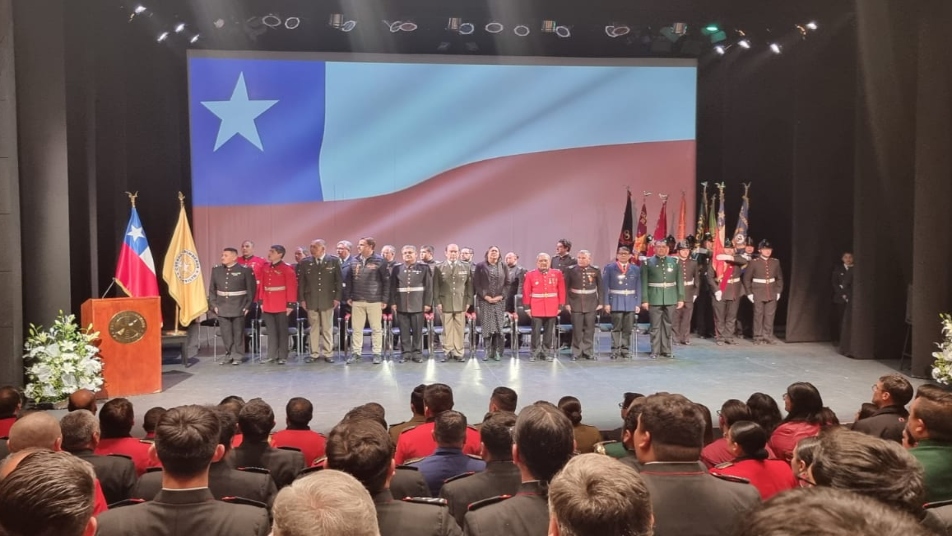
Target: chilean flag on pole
point(135, 271)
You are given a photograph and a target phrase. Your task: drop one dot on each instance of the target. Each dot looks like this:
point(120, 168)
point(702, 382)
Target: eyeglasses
point(621, 405)
point(805, 482)
point(718, 412)
point(875, 387)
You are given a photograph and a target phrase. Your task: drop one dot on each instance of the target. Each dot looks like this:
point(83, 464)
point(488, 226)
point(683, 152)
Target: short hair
point(504, 398)
point(545, 440)
point(186, 438)
point(734, 410)
point(389, 247)
point(151, 418)
point(565, 243)
point(806, 404)
point(705, 412)
point(47, 494)
point(326, 503)
point(299, 411)
point(596, 495)
point(438, 397)
point(751, 438)
point(623, 249)
point(9, 401)
point(675, 425)
point(449, 428)
point(810, 511)
point(370, 241)
point(228, 422)
point(363, 449)
point(628, 398)
point(116, 418)
point(898, 387)
point(248, 242)
point(764, 411)
point(231, 250)
point(805, 451)
point(78, 428)
point(408, 247)
point(278, 248)
point(572, 409)
point(369, 411)
point(934, 409)
point(634, 411)
point(416, 399)
point(256, 420)
point(427, 248)
point(38, 429)
point(496, 434)
point(82, 399)
point(870, 466)
point(232, 404)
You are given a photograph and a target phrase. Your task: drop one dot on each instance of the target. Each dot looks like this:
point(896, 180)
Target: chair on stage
point(298, 328)
point(253, 329)
point(390, 334)
point(523, 327)
point(209, 324)
point(366, 331)
point(432, 329)
point(603, 326)
point(563, 326)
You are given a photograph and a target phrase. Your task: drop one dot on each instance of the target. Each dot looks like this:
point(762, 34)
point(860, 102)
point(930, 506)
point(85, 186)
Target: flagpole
point(178, 308)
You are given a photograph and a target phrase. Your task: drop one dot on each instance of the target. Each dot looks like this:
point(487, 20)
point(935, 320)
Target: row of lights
point(775, 47)
point(163, 36)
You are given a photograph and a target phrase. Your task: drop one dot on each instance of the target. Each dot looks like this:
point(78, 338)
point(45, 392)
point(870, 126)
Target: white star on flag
point(135, 233)
point(238, 115)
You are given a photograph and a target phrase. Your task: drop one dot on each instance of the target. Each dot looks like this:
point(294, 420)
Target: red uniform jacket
point(770, 477)
point(309, 442)
point(5, 425)
point(256, 264)
point(543, 294)
point(132, 447)
point(278, 287)
point(418, 442)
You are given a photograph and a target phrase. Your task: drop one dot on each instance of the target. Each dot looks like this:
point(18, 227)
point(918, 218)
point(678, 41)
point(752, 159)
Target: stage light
point(522, 30)
point(775, 48)
point(679, 28)
point(194, 39)
point(271, 21)
point(712, 28)
point(219, 23)
point(162, 37)
point(744, 43)
point(720, 50)
point(408, 26)
point(140, 9)
point(563, 31)
point(811, 25)
point(495, 27)
point(467, 28)
point(394, 26)
point(292, 22)
point(180, 27)
point(617, 30)
point(338, 22)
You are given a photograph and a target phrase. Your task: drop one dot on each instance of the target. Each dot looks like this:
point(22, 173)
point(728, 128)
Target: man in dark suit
point(320, 290)
point(501, 476)
point(411, 296)
point(116, 474)
point(256, 420)
point(763, 280)
point(186, 442)
point(362, 448)
point(890, 395)
point(842, 293)
point(686, 499)
point(544, 442)
point(223, 481)
point(583, 283)
point(230, 294)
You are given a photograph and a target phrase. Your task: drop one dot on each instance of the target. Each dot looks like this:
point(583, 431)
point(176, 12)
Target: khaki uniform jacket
point(453, 286)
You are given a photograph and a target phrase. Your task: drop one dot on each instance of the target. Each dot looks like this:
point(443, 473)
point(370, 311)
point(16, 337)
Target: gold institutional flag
point(183, 271)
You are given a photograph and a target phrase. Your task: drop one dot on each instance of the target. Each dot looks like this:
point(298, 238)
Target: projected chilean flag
point(135, 271)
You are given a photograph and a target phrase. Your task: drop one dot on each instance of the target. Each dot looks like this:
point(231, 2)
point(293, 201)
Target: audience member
point(501, 476)
point(116, 474)
point(327, 503)
point(223, 481)
point(825, 511)
point(418, 441)
point(866, 410)
point(869, 466)
point(731, 411)
point(362, 448)
point(46, 493)
point(543, 443)
point(448, 460)
point(502, 399)
point(256, 420)
point(186, 443)
point(149, 421)
point(299, 412)
point(764, 411)
point(628, 436)
point(586, 436)
point(116, 419)
point(416, 410)
point(930, 426)
point(890, 395)
point(803, 404)
point(803, 456)
point(627, 399)
point(10, 404)
point(685, 498)
point(599, 496)
point(233, 405)
point(82, 399)
point(708, 423)
point(748, 441)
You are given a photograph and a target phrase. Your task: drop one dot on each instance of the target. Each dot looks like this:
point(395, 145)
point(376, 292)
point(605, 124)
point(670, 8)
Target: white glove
point(778, 297)
point(718, 295)
point(724, 257)
point(751, 298)
point(694, 299)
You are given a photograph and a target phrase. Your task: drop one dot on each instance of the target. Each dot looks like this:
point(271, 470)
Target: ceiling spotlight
point(720, 50)
point(394, 26)
point(744, 43)
point(775, 48)
point(467, 28)
point(292, 22)
point(139, 10)
point(219, 23)
point(408, 26)
point(179, 27)
point(338, 21)
point(271, 21)
point(522, 30)
point(194, 39)
point(563, 31)
point(494, 27)
point(811, 25)
point(162, 37)
point(348, 26)
point(618, 30)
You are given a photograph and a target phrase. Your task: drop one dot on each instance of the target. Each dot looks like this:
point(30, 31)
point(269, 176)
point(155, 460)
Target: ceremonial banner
point(679, 234)
point(701, 215)
point(135, 271)
point(721, 235)
point(642, 232)
point(627, 236)
point(743, 229)
point(661, 228)
point(183, 272)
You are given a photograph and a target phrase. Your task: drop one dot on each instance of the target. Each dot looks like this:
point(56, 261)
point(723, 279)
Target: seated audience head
point(930, 415)
point(670, 429)
point(708, 423)
point(802, 402)
point(826, 511)
point(803, 456)
point(299, 412)
point(572, 409)
point(503, 399)
point(10, 402)
point(326, 503)
point(46, 493)
point(631, 422)
point(892, 390)
point(151, 418)
point(496, 436)
point(626, 401)
point(543, 441)
point(256, 420)
point(229, 425)
point(764, 411)
point(869, 466)
point(35, 430)
point(416, 399)
point(82, 399)
point(80, 431)
point(596, 495)
point(116, 418)
point(866, 410)
point(732, 411)
point(187, 441)
point(449, 429)
point(747, 439)
point(437, 398)
point(363, 449)
point(372, 411)
point(828, 417)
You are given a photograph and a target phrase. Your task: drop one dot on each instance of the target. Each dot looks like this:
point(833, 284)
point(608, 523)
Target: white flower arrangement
point(942, 367)
point(61, 360)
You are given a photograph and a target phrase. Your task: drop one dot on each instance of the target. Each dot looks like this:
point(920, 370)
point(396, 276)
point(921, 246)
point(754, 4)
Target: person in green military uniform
point(662, 289)
point(930, 425)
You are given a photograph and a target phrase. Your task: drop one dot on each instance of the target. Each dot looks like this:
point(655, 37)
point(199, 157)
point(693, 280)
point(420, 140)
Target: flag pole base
point(176, 333)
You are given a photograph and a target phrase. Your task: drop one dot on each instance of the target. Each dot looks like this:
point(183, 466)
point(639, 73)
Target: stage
point(703, 371)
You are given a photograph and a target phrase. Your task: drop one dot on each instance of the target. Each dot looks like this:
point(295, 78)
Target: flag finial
point(132, 198)
point(181, 200)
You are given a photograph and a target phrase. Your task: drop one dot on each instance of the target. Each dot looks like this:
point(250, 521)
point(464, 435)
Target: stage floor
point(704, 372)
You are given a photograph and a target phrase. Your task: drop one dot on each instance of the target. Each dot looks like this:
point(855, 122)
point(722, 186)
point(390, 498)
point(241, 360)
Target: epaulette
point(261, 470)
point(409, 467)
point(937, 504)
point(147, 441)
point(475, 457)
point(413, 460)
point(486, 502)
point(247, 502)
point(308, 470)
point(392, 426)
point(724, 465)
point(600, 446)
point(425, 500)
point(153, 469)
point(731, 478)
point(320, 462)
point(408, 429)
point(117, 455)
point(126, 502)
point(457, 477)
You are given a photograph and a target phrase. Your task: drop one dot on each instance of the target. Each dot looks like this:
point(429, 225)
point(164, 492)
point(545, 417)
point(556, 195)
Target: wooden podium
point(130, 343)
